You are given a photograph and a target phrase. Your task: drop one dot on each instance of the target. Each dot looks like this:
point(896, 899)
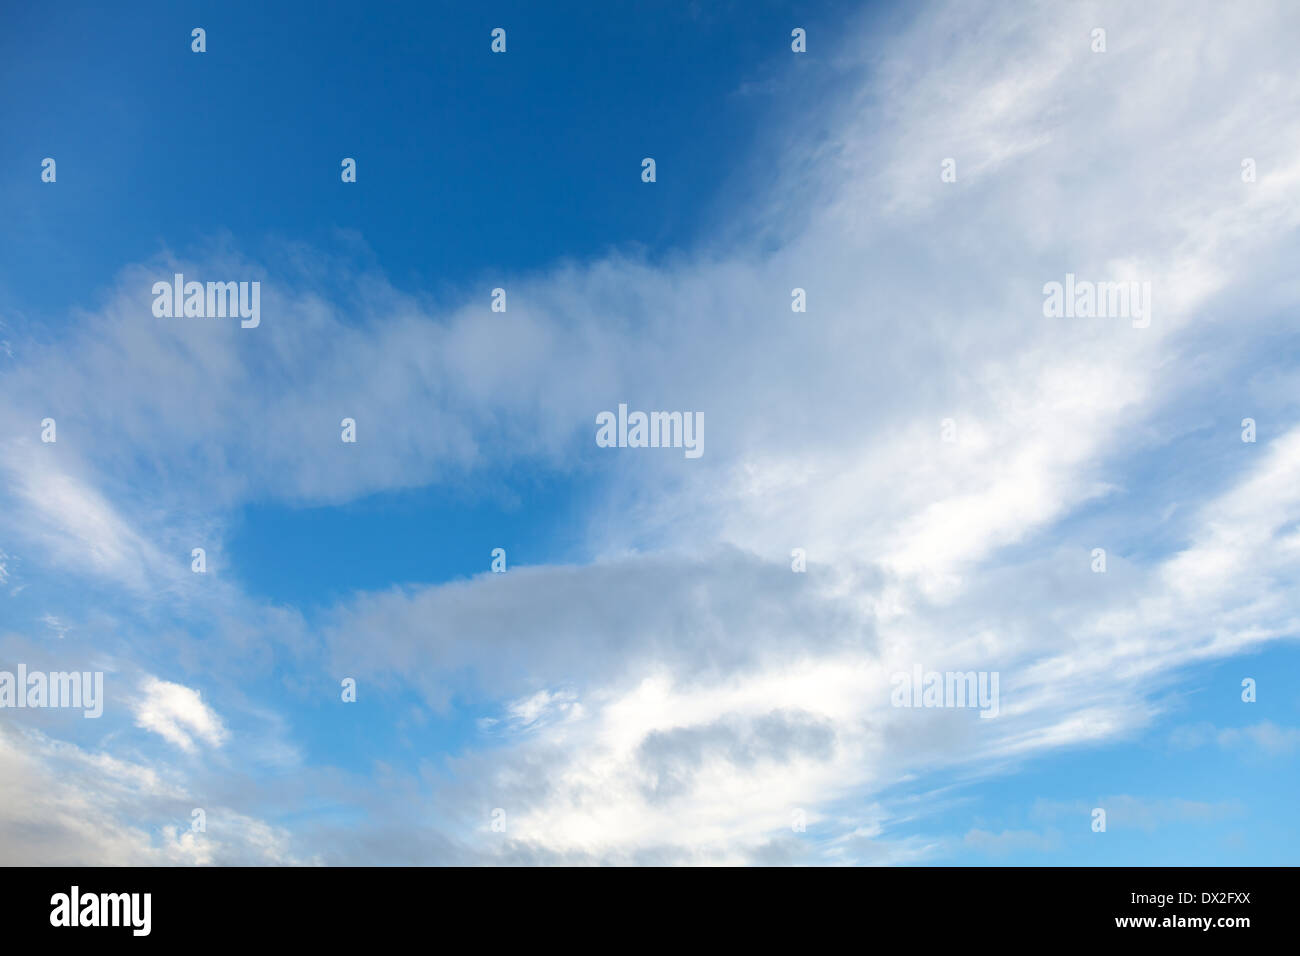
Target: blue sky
point(510, 157)
point(649, 681)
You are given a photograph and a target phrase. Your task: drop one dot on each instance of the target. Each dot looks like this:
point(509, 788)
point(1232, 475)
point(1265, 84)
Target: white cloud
point(76, 524)
point(61, 805)
point(178, 714)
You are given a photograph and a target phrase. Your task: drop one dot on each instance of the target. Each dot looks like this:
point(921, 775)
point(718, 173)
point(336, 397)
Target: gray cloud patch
point(671, 758)
point(704, 616)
